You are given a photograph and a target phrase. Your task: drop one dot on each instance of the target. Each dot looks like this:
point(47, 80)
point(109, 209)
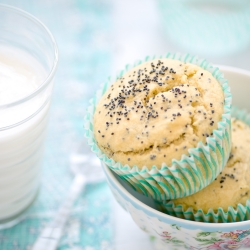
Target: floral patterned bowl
point(173, 233)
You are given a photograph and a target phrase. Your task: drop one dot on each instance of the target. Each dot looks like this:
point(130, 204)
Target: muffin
point(230, 188)
point(156, 112)
point(164, 125)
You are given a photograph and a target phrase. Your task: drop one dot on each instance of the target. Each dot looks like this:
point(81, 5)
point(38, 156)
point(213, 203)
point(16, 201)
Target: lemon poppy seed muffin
point(157, 111)
point(232, 186)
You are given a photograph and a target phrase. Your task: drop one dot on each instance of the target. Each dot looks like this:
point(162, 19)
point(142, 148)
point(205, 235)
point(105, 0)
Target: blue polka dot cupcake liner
point(193, 171)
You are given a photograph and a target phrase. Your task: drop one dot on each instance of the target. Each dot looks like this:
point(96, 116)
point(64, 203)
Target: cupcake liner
point(191, 173)
point(240, 213)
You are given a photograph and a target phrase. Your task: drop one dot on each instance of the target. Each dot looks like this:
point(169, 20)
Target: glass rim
point(51, 74)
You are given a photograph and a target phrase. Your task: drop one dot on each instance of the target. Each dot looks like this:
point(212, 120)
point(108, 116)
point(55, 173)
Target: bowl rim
point(233, 69)
point(159, 214)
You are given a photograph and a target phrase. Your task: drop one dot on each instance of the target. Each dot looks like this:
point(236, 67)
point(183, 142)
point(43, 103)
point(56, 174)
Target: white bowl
point(174, 233)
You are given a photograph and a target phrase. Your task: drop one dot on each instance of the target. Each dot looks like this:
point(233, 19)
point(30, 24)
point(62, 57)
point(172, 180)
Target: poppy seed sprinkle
point(155, 100)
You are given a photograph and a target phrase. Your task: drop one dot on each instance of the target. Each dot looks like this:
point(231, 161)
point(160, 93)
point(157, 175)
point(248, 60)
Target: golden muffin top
point(157, 111)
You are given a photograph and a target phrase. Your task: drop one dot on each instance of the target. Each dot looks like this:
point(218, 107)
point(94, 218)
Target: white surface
point(128, 236)
point(137, 32)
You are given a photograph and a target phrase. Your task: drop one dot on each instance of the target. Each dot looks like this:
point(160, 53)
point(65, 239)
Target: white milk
point(17, 77)
point(22, 129)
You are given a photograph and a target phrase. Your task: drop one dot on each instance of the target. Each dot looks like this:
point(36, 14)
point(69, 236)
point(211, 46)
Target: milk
point(17, 77)
point(23, 119)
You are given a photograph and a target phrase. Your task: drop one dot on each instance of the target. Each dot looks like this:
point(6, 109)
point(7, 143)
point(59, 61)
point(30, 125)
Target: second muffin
point(230, 189)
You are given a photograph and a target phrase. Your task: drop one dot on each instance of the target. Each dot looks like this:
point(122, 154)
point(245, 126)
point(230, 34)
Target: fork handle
point(50, 235)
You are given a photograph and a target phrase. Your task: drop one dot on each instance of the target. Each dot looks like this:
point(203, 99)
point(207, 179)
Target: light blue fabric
point(207, 27)
point(81, 29)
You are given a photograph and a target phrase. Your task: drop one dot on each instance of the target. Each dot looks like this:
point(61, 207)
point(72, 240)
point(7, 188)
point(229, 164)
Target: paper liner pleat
point(240, 213)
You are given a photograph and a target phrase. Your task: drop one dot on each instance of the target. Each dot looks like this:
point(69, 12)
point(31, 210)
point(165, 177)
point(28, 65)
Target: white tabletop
point(127, 235)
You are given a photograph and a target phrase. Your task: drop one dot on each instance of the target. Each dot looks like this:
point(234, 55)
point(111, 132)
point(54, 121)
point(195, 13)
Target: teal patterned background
point(81, 30)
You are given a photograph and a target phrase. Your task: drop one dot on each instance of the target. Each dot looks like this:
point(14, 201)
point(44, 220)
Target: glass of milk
point(28, 61)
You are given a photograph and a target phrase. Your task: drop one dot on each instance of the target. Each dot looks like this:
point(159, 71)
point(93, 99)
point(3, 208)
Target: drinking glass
point(23, 120)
